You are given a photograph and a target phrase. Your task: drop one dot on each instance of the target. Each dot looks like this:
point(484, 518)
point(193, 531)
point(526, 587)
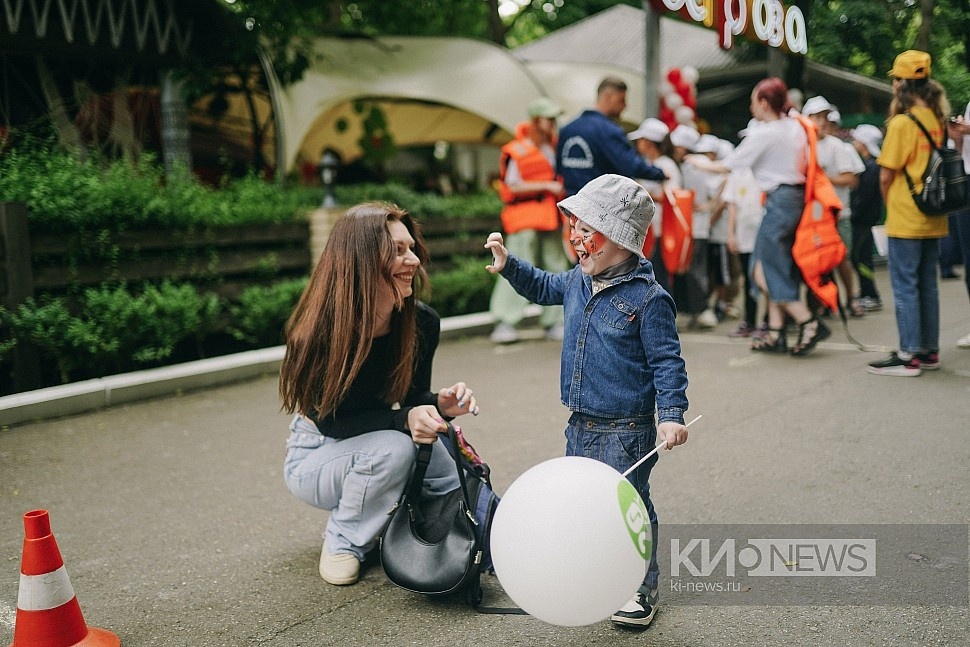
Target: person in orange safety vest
point(530, 188)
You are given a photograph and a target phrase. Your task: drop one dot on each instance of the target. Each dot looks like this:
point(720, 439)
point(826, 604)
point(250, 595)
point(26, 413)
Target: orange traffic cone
point(48, 614)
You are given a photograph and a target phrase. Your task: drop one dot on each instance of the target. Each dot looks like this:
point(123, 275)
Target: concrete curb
point(89, 395)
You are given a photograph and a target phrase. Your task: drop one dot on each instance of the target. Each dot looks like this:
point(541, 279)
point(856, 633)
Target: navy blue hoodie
point(593, 145)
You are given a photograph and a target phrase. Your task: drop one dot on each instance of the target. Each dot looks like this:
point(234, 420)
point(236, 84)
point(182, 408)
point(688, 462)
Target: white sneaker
point(339, 569)
point(554, 332)
point(964, 342)
point(707, 319)
point(504, 334)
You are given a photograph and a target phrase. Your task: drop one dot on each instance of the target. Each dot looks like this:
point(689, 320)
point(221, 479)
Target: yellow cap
point(911, 64)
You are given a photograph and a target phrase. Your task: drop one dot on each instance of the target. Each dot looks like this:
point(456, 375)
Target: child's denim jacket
point(620, 352)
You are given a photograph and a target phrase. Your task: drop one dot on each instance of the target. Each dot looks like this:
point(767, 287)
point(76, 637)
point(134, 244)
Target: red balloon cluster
point(678, 97)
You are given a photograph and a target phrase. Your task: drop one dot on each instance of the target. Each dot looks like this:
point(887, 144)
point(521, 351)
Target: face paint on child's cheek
point(574, 237)
point(593, 242)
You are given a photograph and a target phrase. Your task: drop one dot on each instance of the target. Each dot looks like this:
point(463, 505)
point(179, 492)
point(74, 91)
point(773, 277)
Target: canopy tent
point(429, 89)
point(460, 90)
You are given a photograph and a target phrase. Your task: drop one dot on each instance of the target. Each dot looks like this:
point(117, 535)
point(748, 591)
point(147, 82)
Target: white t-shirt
point(674, 181)
point(835, 157)
point(742, 191)
point(706, 186)
point(775, 153)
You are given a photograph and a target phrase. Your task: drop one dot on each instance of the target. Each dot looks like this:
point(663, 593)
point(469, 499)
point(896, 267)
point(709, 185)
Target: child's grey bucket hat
point(615, 206)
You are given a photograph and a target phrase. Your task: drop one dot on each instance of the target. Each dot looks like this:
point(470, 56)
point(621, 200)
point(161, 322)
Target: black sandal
point(808, 340)
point(856, 309)
point(766, 345)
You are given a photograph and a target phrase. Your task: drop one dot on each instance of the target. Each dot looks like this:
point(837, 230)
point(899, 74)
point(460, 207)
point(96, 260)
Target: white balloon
point(673, 100)
point(665, 88)
point(571, 541)
point(684, 115)
point(690, 74)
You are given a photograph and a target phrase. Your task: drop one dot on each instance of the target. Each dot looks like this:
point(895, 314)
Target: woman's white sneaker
point(339, 569)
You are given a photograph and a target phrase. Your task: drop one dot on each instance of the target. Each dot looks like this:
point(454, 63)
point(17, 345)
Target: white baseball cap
point(684, 136)
point(869, 135)
point(707, 144)
point(816, 105)
point(650, 129)
point(724, 148)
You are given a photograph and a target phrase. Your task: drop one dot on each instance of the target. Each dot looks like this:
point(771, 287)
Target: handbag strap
point(423, 459)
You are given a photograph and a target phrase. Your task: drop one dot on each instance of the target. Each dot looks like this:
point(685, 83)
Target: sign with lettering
point(766, 21)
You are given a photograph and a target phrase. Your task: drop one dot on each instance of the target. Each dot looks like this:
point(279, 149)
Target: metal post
point(651, 67)
point(175, 125)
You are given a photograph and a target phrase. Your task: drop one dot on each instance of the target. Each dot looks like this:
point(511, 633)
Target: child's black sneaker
point(896, 366)
point(638, 613)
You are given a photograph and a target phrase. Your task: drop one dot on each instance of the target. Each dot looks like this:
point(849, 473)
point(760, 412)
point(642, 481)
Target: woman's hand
point(456, 400)
point(424, 423)
point(673, 433)
point(495, 244)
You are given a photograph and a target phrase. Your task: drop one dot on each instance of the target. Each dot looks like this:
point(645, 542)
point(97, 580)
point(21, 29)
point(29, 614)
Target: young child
point(621, 362)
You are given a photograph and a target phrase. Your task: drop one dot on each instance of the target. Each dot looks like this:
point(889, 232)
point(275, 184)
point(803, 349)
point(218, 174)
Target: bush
point(67, 195)
point(260, 314)
point(111, 329)
point(49, 326)
point(92, 332)
point(147, 326)
point(462, 290)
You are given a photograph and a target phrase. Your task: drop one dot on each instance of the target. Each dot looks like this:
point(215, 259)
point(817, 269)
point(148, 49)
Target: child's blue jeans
point(620, 442)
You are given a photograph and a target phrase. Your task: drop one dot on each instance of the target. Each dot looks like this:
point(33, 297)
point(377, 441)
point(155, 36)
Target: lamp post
point(327, 166)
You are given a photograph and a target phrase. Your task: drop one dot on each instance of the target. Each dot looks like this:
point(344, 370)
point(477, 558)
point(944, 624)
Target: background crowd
point(746, 203)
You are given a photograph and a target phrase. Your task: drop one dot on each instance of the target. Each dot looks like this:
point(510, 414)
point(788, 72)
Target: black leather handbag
point(429, 545)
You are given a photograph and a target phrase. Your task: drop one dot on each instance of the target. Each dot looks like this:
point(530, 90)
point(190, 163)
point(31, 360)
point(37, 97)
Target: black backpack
point(944, 180)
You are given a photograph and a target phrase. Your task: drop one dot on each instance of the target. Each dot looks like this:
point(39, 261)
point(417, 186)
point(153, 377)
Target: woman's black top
point(363, 410)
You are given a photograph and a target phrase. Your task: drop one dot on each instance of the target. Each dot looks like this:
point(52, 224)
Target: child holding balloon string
point(621, 364)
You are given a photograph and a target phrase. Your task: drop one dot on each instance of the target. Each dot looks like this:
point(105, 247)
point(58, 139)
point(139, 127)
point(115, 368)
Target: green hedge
point(65, 194)
point(118, 327)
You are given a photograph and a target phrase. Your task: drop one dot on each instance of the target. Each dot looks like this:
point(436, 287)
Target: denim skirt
point(772, 248)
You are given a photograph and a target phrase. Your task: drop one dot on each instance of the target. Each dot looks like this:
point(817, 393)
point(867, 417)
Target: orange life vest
point(818, 248)
point(677, 234)
point(538, 210)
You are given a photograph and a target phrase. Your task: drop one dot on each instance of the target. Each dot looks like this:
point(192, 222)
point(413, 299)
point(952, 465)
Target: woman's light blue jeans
point(912, 274)
point(357, 479)
point(620, 443)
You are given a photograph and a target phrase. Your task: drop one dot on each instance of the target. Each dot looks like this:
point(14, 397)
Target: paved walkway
point(176, 528)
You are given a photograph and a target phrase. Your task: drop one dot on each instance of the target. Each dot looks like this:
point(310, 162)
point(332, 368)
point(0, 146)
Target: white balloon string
point(656, 449)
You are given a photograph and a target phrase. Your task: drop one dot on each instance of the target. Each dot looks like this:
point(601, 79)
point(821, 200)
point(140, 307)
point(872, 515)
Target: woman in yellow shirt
point(914, 247)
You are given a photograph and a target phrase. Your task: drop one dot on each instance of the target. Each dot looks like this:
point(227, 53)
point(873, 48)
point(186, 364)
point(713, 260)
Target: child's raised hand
point(495, 244)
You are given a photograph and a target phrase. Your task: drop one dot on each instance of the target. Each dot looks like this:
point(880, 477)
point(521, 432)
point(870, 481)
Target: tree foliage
point(866, 35)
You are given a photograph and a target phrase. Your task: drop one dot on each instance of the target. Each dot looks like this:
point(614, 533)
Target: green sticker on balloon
point(635, 517)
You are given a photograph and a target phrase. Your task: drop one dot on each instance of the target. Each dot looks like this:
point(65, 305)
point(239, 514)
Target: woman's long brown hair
point(328, 336)
point(930, 91)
